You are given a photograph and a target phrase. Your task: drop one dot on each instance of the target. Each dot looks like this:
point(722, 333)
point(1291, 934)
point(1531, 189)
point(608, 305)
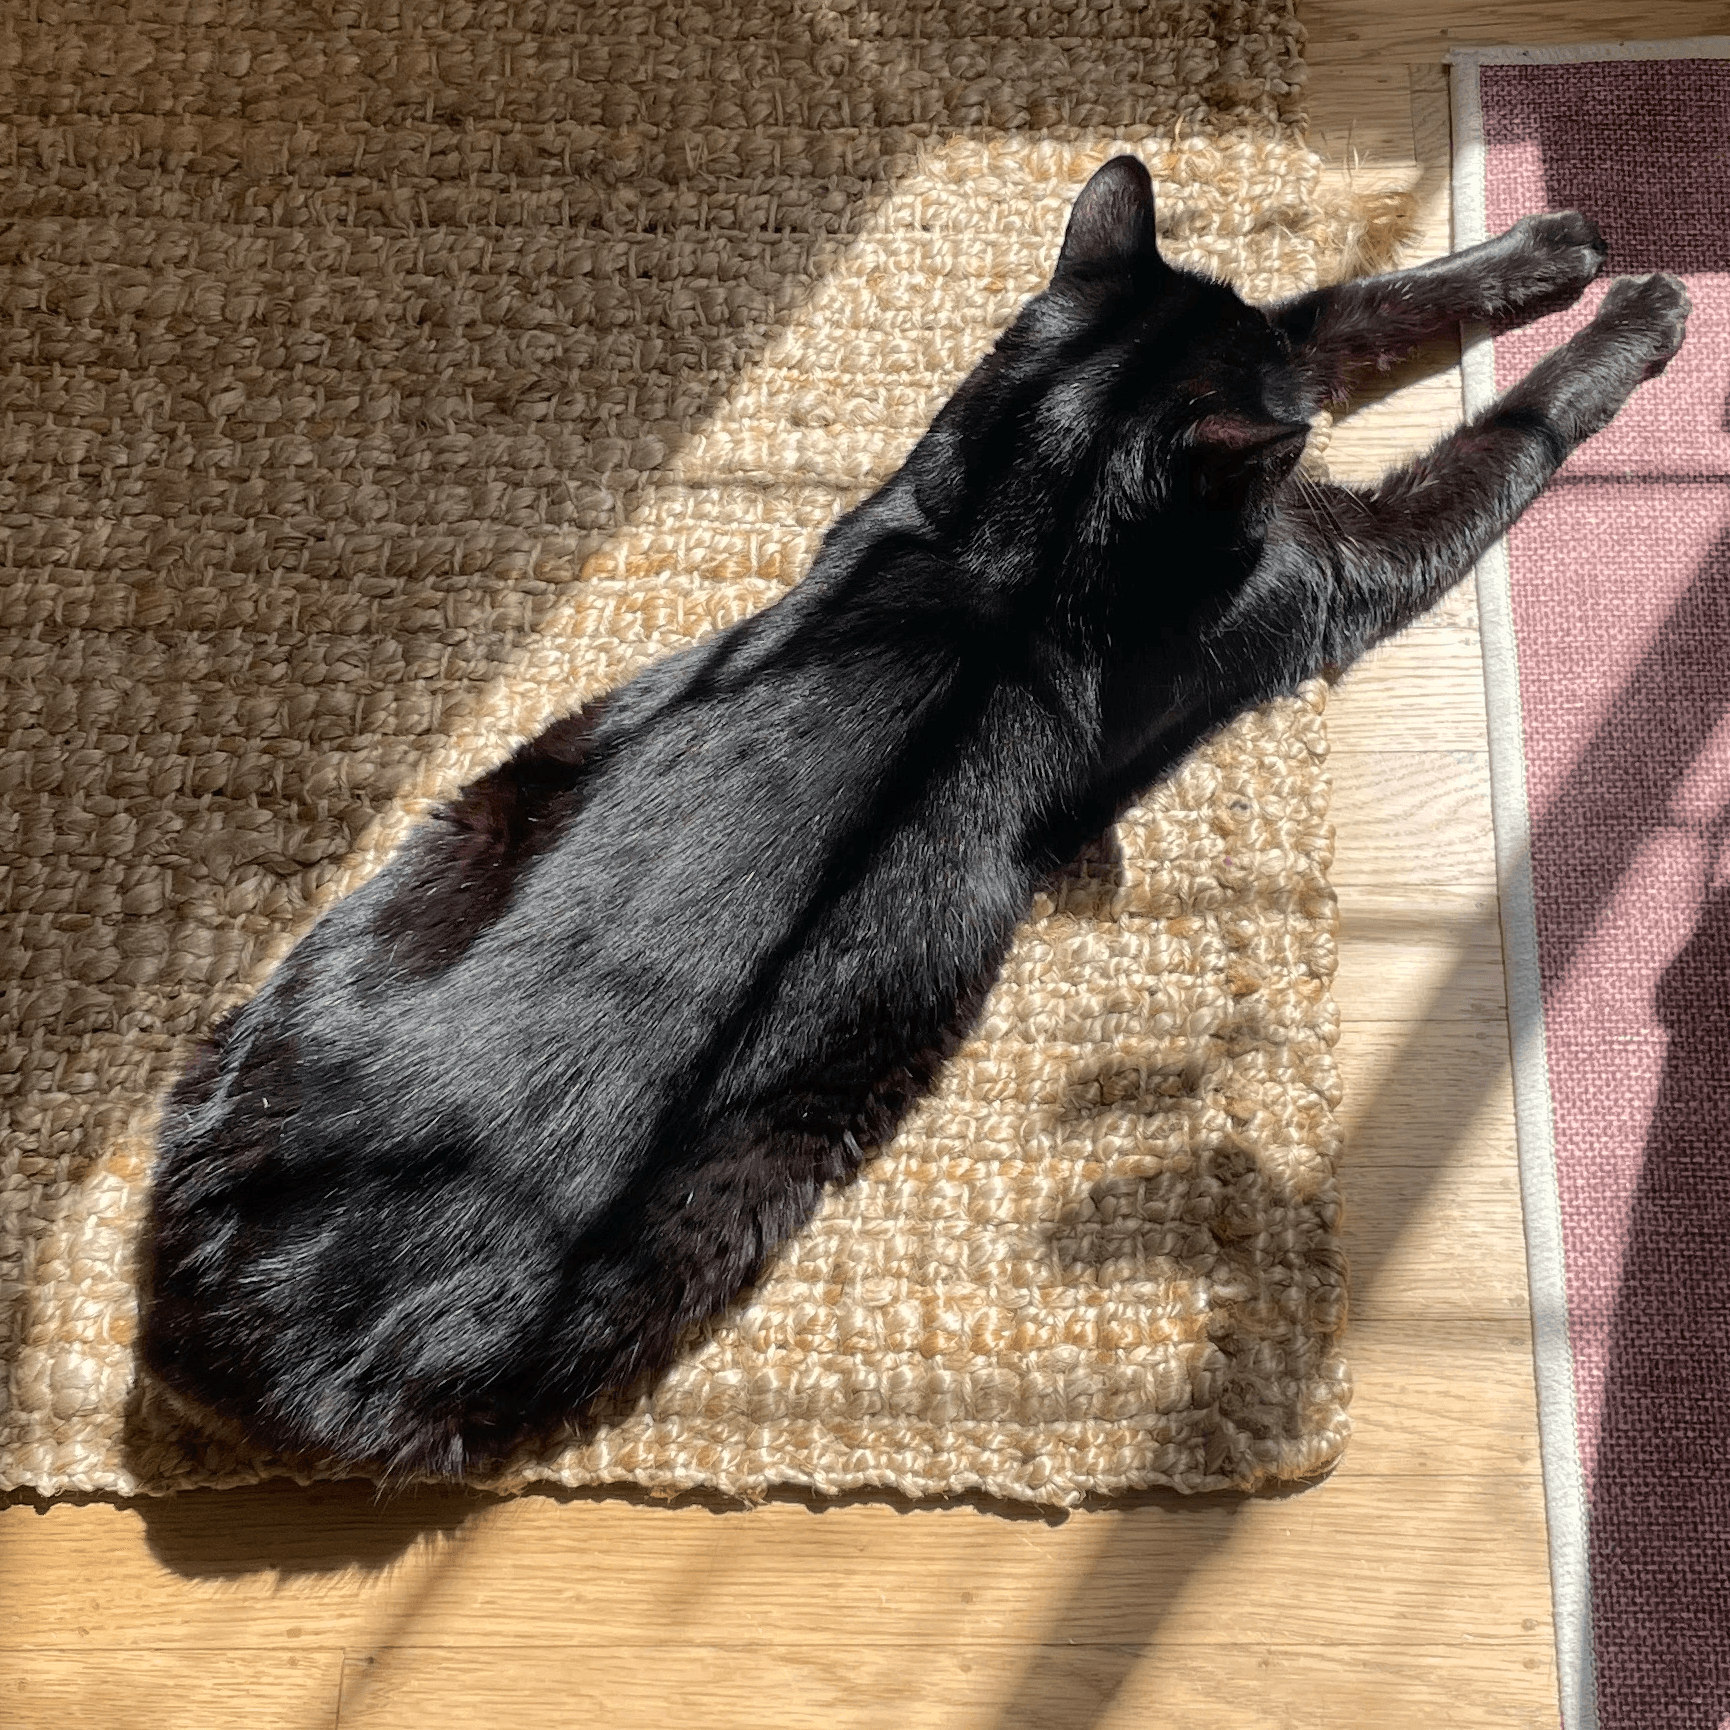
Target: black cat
point(551, 1086)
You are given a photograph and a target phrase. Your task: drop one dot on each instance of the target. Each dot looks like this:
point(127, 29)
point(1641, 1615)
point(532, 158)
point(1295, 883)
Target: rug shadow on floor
point(302, 1530)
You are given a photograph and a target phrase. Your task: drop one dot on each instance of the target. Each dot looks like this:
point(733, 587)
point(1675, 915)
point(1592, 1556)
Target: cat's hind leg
point(1387, 553)
point(1341, 335)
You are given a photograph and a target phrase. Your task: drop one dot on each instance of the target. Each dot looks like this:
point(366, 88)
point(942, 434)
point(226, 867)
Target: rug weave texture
point(377, 389)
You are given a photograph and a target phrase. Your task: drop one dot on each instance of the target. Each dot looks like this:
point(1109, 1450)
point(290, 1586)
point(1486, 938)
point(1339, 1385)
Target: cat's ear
point(1112, 221)
point(1232, 453)
point(1246, 434)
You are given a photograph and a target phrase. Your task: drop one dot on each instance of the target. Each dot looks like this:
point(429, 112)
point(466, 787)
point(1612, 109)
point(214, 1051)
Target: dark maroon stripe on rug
point(1620, 581)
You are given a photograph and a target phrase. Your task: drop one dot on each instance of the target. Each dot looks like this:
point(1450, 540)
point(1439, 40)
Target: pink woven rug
point(1607, 626)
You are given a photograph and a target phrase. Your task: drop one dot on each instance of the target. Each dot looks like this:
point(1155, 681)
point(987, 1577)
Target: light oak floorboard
point(151, 1689)
point(1346, 35)
point(1432, 958)
point(1407, 818)
point(1414, 1090)
point(964, 1688)
point(1420, 1558)
point(1424, 691)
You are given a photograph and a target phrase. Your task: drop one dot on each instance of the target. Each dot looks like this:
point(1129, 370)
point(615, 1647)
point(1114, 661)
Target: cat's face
point(1129, 389)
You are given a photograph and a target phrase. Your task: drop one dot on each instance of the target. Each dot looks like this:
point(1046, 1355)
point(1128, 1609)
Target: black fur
point(550, 1088)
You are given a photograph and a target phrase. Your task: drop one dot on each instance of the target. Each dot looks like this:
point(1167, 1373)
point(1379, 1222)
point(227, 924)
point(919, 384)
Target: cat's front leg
point(1391, 552)
point(1340, 335)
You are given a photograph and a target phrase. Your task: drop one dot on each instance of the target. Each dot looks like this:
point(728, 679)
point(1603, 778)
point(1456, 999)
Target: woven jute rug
point(377, 391)
point(1606, 619)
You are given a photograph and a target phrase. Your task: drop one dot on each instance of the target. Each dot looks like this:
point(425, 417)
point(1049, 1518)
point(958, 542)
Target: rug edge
point(1576, 53)
point(1565, 1501)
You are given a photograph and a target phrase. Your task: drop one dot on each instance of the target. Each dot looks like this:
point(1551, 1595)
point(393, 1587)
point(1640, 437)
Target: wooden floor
point(1409, 1588)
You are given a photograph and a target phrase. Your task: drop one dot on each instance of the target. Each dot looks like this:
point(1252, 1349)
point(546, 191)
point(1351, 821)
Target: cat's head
point(1131, 388)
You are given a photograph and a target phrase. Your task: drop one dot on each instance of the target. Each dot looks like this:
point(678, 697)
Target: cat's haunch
point(548, 1089)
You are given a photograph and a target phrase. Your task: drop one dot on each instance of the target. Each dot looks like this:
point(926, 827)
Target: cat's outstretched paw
point(1649, 311)
point(1581, 385)
point(1573, 243)
point(1547, 263)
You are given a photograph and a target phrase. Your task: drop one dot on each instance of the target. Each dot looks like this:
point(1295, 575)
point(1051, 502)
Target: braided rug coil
point(381, 382)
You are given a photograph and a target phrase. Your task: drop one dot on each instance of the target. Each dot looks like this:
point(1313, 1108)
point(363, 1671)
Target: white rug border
point(1572, 53)
point(1564, 1480)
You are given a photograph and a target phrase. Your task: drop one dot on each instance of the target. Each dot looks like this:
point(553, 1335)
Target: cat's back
point(790, 850)
point(769, 840)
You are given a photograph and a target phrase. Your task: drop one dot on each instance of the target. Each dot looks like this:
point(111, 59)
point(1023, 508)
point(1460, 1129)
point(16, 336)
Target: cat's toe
point(1568, 231)
point(1653, 309)
point(1564, 251)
